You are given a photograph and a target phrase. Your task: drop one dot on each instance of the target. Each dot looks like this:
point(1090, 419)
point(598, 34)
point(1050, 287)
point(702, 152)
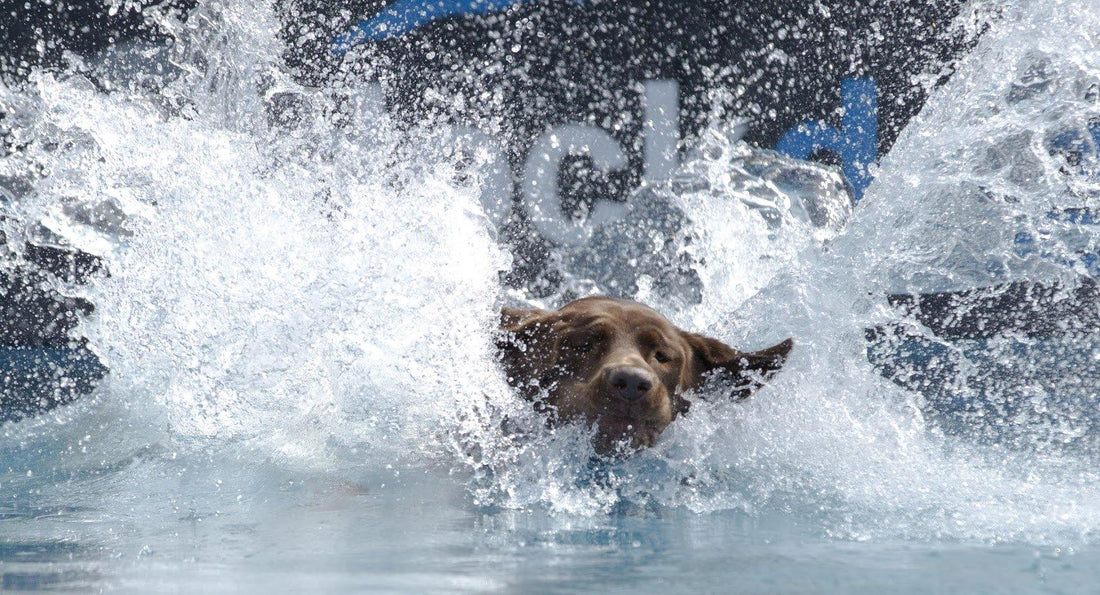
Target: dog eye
point(662, 357)
point(579, 343)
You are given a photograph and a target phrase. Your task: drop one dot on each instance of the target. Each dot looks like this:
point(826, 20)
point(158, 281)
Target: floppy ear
point(743, 371)
point(512, 318)
point(516, 342)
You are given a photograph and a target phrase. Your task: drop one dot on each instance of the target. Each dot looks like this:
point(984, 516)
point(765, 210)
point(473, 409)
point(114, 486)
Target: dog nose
point(629, 383)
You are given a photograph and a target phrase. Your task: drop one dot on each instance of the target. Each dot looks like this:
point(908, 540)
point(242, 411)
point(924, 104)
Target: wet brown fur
point(620, 366)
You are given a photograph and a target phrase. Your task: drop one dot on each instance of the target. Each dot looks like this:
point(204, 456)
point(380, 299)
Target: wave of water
point(322, 296)
point(288, 291)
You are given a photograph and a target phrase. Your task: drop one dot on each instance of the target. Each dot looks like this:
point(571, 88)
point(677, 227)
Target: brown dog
point(621, 366)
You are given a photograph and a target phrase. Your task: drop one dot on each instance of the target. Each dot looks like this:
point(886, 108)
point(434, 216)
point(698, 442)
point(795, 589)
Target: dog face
point(621, 366)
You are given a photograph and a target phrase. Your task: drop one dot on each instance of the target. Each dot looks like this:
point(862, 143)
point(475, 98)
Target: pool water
point(417, 532)
point(303, 393)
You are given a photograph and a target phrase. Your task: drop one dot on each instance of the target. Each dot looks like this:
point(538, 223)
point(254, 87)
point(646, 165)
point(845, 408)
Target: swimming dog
point(621, 366)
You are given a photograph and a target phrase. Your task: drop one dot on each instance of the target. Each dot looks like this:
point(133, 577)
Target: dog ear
point(743, 372)
point(512, 319)
point(515, 342)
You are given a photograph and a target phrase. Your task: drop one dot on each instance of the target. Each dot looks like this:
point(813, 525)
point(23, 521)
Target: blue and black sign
point(632, 81)
point(583, 101)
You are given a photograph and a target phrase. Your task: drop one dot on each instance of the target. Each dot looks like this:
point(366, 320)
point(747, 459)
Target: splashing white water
point(288, 291)
point(304, 295)
point(837, 435)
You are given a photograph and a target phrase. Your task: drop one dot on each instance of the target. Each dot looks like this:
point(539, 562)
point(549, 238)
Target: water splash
point(833, 440)
point(302, 291)
point(293, 291)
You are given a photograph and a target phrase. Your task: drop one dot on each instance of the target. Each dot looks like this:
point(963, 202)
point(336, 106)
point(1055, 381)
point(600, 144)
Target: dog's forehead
point(618, 312)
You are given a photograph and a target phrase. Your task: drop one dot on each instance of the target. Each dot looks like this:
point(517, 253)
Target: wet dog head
point(621, 366)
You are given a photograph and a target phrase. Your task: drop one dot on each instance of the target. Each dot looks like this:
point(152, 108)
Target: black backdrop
point(543, 63)
point(576, 58)
point(546, 63)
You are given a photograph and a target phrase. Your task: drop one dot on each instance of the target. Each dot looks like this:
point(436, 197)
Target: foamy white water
point(270, 289)
point(313, 299)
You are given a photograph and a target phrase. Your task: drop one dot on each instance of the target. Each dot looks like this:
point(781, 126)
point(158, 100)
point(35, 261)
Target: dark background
point(579, 61)
point(786, 57)
point(546, 63)
point(781, 62)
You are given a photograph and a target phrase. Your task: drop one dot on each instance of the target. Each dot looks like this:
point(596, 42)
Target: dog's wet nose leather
point(629, 383)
